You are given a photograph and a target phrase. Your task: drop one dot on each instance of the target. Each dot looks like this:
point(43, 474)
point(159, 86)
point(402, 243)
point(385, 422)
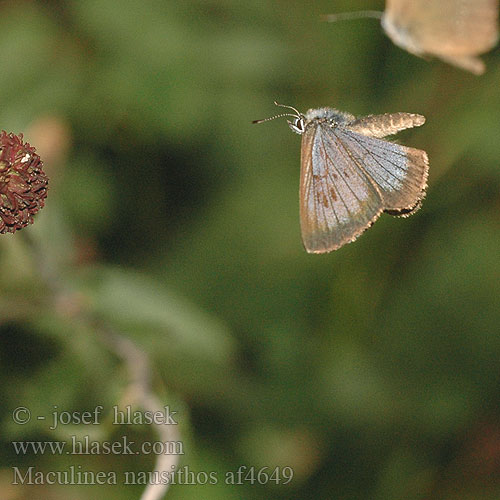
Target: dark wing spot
point(324, 200)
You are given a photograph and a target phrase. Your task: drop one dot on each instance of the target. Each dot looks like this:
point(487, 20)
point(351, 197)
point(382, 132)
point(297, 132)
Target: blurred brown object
point(52, 136)
point(86, 251)
point(456, 31)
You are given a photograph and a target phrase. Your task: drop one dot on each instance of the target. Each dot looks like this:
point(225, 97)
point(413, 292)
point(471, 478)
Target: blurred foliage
point(371, 371)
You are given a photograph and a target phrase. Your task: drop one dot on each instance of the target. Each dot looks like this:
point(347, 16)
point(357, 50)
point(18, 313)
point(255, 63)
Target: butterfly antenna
point(285, 106)
point(272, 118)
point(280, 115)
point(349, 16)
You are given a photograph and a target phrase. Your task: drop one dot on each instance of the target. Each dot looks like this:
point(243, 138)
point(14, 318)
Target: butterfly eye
point(297, 125)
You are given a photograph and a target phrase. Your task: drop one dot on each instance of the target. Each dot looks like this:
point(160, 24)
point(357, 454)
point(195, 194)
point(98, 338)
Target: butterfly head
point(297, 124)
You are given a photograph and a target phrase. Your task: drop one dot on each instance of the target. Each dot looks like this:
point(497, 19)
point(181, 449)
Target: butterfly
point(349, 175)
point(456, 31)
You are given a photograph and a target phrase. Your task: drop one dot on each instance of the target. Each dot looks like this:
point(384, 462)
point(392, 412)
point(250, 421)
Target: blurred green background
point(373, 371)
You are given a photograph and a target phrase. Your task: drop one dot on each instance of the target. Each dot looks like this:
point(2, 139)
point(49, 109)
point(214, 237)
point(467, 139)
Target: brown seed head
point(23, 183)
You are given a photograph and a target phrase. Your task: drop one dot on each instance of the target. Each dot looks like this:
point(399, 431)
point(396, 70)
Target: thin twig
point(138, 366)
point(136, 361)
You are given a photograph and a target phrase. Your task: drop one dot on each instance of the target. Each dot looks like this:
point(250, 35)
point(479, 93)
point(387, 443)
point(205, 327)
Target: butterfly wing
point(454, 30)
point(337, 199)
point(399, 172)
point(386, 124)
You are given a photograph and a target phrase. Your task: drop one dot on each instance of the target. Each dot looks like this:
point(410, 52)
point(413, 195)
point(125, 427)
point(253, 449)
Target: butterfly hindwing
point(399, 172)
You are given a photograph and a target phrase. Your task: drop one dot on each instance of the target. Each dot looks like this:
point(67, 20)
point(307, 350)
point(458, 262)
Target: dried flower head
point(23, 183)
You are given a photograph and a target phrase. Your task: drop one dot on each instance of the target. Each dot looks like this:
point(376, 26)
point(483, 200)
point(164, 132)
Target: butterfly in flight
point(456, 31)
point(349, 175)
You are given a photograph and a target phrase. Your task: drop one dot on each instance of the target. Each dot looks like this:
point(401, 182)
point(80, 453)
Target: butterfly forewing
point(337, 199)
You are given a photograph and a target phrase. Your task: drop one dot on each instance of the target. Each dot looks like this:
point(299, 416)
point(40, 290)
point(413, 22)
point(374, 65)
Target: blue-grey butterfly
point(349, 175)
point(456, 31)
